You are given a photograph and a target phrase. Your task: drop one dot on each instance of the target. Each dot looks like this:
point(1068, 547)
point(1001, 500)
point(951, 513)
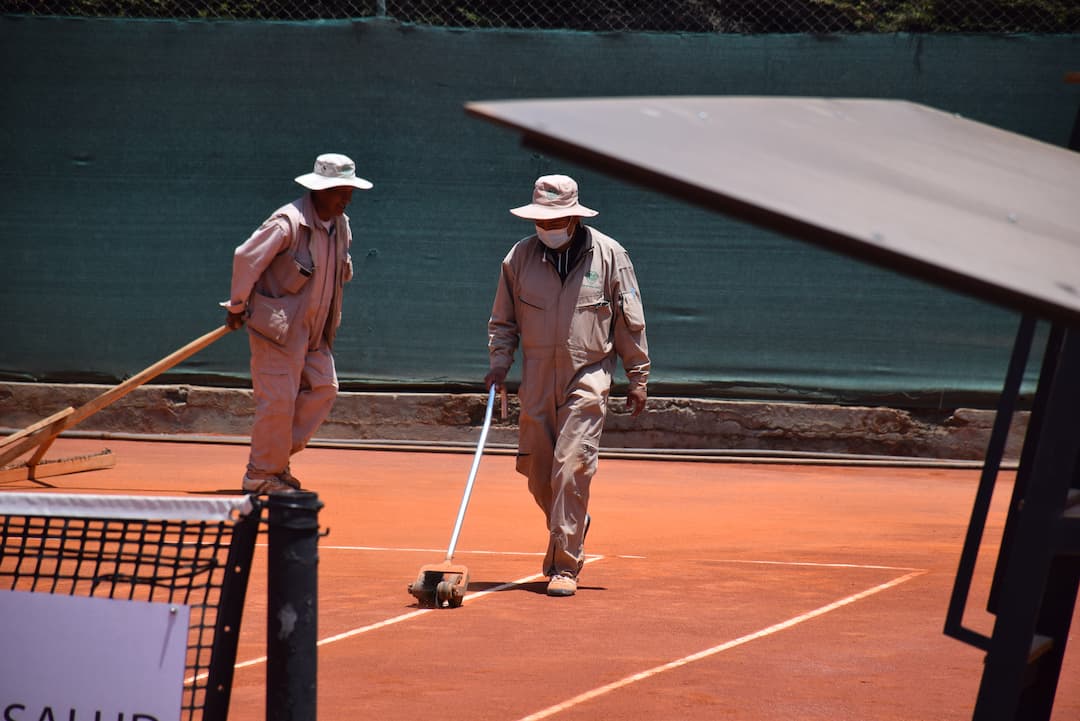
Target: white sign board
point(73, 657)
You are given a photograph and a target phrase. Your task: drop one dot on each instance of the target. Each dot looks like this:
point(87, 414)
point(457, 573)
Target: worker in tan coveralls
point(287, 283)
point(568, 294)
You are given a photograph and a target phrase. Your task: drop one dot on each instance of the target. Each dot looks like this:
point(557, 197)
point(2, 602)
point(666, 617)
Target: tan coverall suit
point(291, 329)
point(570, 332)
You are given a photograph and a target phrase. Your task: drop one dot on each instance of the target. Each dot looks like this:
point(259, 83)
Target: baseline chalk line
point(671, 665)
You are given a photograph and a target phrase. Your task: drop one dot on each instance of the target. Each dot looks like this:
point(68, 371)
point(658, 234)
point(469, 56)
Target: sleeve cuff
point(233, 306)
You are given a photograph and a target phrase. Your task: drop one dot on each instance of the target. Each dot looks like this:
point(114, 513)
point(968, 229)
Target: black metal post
point(1043, 392)
point(995, 451)
point(1017, 684)
point(292, 608)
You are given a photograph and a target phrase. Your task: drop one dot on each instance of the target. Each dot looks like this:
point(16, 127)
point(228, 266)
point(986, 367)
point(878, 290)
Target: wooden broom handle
point(118, 392)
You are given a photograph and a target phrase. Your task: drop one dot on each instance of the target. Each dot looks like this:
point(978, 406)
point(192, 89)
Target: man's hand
point(495, 377)
point(234, 320)
point(635, 400)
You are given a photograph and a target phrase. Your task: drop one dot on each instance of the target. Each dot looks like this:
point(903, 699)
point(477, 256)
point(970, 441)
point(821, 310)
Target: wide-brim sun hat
point(333, 170)
point(554, 196)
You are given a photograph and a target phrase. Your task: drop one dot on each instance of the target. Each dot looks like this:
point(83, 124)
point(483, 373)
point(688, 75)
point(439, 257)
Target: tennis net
point(176, 550)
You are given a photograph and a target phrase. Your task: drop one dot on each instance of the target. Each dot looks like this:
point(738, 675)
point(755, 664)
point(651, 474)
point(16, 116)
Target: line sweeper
point(442, 585)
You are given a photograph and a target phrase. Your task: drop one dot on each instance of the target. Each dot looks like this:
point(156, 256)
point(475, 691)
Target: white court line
point(503, 587)
point(468, 597)
point(814, 564)
point(641, 676)
point(395, 620)
point(439, 551)
point(480, 552)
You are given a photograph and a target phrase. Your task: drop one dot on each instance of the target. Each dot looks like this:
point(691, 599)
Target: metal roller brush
point(442, 585)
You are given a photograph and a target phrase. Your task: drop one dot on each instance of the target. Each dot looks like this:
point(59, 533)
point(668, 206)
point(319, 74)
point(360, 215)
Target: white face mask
point(556, 238)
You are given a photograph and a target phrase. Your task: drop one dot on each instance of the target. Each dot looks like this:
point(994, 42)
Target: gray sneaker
point(289, 479)
point(562, 585)
point(262, 486)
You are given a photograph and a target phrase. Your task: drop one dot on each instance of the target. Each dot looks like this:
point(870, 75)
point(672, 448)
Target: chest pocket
point(291, 272)
point(294, 267)
point(591, 325)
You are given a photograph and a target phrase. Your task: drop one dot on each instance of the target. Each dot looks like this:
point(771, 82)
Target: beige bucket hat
point(554, 196)
point(333, 170)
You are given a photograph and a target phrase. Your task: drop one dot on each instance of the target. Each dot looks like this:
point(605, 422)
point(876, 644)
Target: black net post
point(292, 606)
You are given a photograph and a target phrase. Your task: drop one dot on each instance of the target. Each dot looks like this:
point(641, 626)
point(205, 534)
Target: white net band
point(78, 505)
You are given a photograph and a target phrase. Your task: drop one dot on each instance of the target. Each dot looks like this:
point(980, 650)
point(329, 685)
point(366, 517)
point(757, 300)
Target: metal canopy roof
point(956, 202)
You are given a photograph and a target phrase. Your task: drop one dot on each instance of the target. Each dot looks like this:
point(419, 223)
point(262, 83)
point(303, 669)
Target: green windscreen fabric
point(139, 154)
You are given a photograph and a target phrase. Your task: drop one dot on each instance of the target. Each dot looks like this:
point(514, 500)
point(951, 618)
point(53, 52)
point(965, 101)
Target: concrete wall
point(672, 424)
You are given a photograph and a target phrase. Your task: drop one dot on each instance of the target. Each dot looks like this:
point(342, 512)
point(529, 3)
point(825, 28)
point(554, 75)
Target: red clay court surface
point(753, 592)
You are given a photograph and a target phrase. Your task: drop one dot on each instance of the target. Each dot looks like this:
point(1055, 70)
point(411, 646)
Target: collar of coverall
point(309, 218)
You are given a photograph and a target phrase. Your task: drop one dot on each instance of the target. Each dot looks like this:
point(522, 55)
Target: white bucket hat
point(333, 170)
point(554, 196)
